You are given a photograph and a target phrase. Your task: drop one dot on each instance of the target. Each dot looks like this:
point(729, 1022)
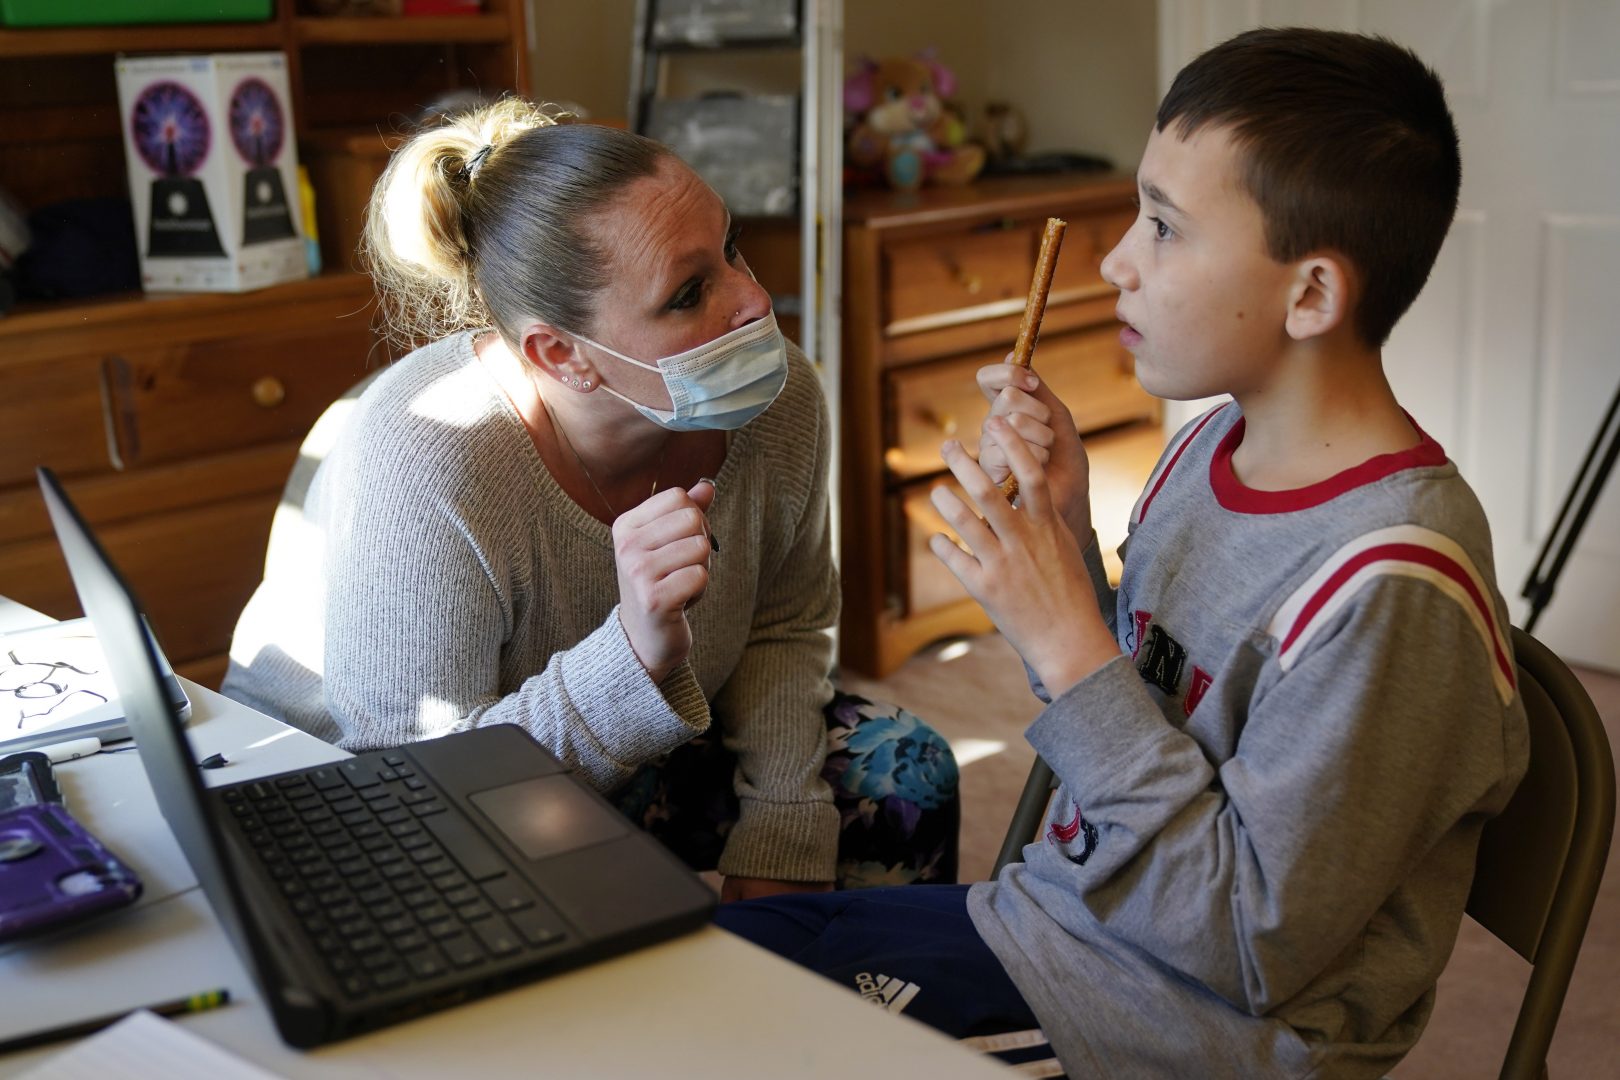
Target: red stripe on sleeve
point(1414, 553)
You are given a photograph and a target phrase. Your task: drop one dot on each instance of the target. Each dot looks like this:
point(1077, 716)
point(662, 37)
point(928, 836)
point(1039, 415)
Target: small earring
point(587, 384)
point(576, 382)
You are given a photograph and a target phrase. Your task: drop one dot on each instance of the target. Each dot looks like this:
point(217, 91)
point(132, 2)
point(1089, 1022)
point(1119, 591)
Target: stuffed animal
point(903, 131)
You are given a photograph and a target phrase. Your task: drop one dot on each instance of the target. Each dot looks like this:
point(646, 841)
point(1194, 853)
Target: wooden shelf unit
point(61, 133)
point(175, 418)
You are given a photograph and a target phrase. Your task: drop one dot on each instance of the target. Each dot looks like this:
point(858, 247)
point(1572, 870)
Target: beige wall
point(582, 53)
point(1082, 71)
point(1087, 78)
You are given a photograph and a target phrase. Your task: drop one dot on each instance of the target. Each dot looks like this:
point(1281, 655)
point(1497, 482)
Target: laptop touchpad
point(549, 815)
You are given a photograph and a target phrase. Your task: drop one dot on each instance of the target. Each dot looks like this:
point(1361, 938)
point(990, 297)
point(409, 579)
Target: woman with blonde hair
point(594, 504)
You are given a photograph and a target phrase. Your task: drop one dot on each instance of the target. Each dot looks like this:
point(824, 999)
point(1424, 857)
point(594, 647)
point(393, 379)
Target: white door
point(1512, 353)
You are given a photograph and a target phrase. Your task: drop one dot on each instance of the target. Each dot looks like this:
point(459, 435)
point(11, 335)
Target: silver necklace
point(589, 479)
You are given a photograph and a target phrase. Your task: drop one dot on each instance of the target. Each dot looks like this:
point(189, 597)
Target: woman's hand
point(1047, 428)
point(662, 552)
point(1023, 565)
point(748, 888)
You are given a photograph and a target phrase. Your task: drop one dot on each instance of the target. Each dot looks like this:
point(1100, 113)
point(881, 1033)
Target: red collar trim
point(1234, 495)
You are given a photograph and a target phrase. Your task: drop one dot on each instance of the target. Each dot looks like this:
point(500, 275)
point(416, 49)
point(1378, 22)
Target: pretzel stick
point(1030, 329)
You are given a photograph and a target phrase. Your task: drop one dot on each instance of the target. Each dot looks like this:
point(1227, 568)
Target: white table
point(706, 1005)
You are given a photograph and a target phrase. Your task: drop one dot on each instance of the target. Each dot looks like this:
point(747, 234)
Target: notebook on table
point(54, 686)
point(367, 891)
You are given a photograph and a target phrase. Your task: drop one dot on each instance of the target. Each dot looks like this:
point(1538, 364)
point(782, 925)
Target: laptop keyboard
point(392, 886)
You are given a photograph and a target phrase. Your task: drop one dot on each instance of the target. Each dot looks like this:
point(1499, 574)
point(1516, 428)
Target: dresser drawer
point(1088, 369)
point(50, 414)
point(211, 396)
point(193, 570)
point(955, 274)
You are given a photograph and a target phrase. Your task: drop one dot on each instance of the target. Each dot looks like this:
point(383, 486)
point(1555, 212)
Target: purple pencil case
point(53, 872)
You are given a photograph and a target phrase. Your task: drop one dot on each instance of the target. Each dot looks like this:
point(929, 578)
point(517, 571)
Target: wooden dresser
point(173, 422)
point(934, 288)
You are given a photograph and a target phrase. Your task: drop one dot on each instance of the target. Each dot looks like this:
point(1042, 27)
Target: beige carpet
point(974, 692)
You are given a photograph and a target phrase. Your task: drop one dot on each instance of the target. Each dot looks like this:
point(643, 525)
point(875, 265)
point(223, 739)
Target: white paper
point(51, 678)
point(141, 1046)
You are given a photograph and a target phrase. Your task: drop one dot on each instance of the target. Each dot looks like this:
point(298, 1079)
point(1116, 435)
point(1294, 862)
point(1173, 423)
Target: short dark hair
point(1348, 146)
point(486, 219)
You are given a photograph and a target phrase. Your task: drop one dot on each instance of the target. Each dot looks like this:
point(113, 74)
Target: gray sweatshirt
point(436, 578)
point(1264, 837)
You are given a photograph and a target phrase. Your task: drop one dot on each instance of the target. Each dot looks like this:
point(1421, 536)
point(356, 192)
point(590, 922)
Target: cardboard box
point(213, 170)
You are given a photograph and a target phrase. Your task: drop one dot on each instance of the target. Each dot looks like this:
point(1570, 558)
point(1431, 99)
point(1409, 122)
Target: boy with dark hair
point(1279, 739)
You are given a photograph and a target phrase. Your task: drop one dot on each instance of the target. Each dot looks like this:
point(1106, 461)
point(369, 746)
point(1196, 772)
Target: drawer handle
point(946, 422)
point(973, 283)
point(268, 392)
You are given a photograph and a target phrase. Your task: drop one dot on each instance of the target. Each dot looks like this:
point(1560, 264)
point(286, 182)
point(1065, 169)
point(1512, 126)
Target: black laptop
point(374, 889)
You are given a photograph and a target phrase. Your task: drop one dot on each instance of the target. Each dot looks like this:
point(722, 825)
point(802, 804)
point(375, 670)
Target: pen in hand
point(195, 1003)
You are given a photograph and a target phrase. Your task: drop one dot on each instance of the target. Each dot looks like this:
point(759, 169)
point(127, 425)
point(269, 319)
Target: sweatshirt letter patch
point(1078, 828)
point(1139, 626)
point(1195, 693)
point(1160, 660)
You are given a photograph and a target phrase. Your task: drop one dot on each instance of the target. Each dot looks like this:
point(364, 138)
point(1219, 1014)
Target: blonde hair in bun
point(477, 221)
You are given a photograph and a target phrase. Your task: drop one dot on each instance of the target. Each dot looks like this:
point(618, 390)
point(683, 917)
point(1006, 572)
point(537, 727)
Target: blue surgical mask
point(719, 386)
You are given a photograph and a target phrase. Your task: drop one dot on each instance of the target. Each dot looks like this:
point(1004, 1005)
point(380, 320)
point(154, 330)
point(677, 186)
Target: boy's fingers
point(1038, 435)
point(994, 378)
point(1059, 418)
point(1033, 497)
point(985, 492)
point(974, 532)
point(961, 565)
point(1014, 401)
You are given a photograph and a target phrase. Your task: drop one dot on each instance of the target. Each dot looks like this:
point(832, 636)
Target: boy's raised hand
point(1023, 564)
point(1047, 427)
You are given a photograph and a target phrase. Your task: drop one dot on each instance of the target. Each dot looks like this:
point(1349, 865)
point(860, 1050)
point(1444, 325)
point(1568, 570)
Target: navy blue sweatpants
point(911, 949)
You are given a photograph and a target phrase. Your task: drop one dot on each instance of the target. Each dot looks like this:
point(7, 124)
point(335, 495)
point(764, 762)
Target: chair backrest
point(1540, 860)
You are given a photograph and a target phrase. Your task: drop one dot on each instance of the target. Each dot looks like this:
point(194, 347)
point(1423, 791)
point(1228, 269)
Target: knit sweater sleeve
point(770, 706)
point(424, 579)
point(1389, 738)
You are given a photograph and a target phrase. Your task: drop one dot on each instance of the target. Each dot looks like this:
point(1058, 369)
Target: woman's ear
point(1320, 296)
point(559, 356)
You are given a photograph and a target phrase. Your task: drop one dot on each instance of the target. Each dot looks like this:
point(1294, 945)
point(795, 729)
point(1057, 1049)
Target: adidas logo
point(885, 990)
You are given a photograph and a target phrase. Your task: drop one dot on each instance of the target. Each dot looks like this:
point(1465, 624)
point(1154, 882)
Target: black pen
point(195, 1003)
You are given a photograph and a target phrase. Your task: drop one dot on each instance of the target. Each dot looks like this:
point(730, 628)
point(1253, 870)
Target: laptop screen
point(153, 719)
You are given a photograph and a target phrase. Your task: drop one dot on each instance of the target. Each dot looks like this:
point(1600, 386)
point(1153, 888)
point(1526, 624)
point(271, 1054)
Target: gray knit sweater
point(1257, 861)
point(437, 578)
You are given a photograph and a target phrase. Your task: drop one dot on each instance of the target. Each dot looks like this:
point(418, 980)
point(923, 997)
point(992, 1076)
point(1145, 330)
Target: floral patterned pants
point(894, 782)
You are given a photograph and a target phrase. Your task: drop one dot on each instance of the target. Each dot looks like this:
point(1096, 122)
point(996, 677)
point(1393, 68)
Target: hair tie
point(475, 161)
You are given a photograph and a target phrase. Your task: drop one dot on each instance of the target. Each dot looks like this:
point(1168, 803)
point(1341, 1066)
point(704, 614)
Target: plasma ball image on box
point(170, 132)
